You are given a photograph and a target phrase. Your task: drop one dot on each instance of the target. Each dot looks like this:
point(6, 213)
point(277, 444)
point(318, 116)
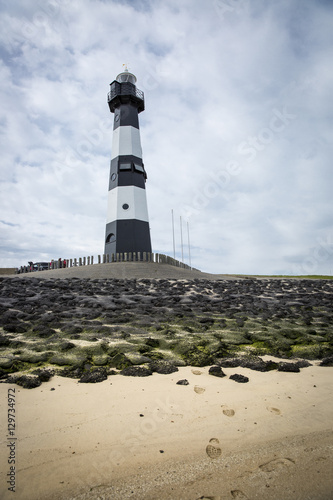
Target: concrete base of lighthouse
point(127, 235)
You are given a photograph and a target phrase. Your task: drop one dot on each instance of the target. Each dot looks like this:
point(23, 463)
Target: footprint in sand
point(209, 498)
point(199, 390)
point(228, 412)
point(276, 411)
point(196, 372)
point(238, 494)
point(213, 451)
point(276, 464)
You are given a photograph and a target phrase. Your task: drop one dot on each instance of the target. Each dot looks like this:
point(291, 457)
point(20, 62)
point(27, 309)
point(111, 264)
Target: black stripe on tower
point(127, 170)
point(129, 235)
point(126, 115)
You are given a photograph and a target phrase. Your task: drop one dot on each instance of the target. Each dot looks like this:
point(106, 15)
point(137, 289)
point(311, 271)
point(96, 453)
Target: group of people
point(42, 266)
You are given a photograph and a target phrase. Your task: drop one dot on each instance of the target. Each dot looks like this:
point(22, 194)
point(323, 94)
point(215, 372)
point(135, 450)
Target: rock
point(100, 359)
point(65, 346)
point(303, 363)
point(25, 381)
point(328, 361)
point(94, 375)
point(239, 378)
point(49, 317)
point(16, 327)
point(6, 362)
point(4, 341)
point(183, 382)
point(288, 367)
point(43, 331)
point(136, 371)
point(206, 321)
point(152, 342)
point(44, 375)
point(63, 360)
point(32, 357)
point(239, 322)
point(70, 329)
point(166, 369)
point(74, 372)
point(230, 362)
point(3, 374)
point(8, 317)
point(125, 335)
point(163, 368)
point(256, 363)
point(112, 372)
point(195, 357)
point(270, 365)
point(144, 349)
point(155, 314)
point(251, 362)
point(216, 371)
point(120, 361)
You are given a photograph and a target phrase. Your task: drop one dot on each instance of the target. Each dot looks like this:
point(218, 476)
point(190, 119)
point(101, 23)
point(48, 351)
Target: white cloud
point(256, 189)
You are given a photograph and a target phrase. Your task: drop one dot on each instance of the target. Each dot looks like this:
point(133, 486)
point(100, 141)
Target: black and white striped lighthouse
point(127, 225)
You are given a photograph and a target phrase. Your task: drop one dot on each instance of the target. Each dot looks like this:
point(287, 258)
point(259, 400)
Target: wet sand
point(149, 438)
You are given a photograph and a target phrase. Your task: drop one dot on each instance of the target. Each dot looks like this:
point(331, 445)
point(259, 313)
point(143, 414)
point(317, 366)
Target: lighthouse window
point(111, 238)
point(125, 206)
point(125, 166)
point(138, 167)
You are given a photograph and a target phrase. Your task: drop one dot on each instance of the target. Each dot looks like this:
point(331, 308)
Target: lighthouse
point(127, 224)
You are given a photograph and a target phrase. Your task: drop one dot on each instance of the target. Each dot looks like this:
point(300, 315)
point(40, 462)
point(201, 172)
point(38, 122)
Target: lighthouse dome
point(126, 76)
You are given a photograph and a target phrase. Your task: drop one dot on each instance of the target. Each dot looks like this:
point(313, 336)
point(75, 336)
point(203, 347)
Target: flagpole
point(173, 235)
point(189, 247)
point(181, 238)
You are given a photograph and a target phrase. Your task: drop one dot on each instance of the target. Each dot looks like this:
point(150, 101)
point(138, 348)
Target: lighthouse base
point(127, 236)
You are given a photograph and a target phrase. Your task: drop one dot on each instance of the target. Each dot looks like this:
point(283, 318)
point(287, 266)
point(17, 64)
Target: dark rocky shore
point(91, 328)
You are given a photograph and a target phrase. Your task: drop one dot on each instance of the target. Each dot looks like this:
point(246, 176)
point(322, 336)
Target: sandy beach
point(149, 438)
point(146, 437)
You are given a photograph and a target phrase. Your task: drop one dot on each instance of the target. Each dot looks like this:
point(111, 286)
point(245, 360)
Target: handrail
point(123, 89)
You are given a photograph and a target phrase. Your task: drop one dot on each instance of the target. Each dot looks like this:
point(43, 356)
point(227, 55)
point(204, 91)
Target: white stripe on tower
point(127, 202)
point(126, 141)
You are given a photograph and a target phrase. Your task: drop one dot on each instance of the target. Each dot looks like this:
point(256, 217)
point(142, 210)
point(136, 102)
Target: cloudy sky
point(236, 134)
